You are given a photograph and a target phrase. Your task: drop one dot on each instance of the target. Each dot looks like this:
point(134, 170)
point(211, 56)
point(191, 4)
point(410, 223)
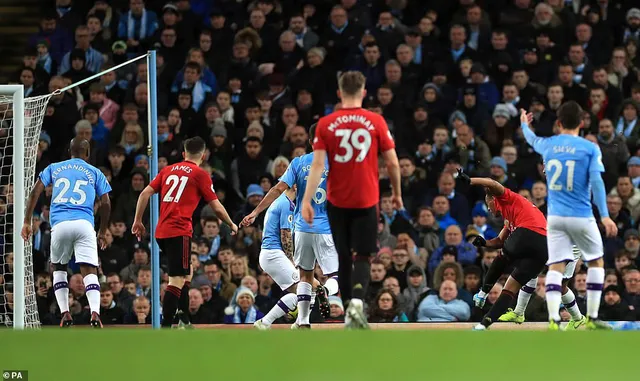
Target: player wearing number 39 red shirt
point(180, 186)
point(351, 140)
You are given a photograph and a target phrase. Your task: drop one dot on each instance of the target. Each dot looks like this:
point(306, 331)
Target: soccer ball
point(293, 315)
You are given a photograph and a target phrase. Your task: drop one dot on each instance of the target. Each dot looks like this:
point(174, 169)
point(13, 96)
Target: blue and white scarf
point(249, 319)
point(197, 94)
point(131, 22)
point(621, 129)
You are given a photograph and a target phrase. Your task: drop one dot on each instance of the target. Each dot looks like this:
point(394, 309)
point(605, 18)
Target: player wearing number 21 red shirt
point(350, 139)
point(180, 186)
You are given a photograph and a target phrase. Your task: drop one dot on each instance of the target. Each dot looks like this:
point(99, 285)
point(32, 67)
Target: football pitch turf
point(327, 355)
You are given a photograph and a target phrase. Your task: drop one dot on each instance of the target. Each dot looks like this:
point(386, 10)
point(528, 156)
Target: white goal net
point(34, 112)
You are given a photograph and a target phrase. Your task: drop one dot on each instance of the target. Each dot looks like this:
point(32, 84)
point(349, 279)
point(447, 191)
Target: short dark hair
point(193, 65)
point(312, 131)
point(105, 287)
point(194, 145)
point(570, 115)
point(351, 82)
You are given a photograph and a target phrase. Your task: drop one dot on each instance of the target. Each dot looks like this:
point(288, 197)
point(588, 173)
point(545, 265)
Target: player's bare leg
point(184, 321)
point(61, 291)
point(305, 291)
point(171, 300)
point(92, 290)
point(595, 281)
point(500, 306)
point(554, 293)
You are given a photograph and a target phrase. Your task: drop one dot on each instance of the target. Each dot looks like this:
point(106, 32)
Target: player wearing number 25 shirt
point(351, 139)
point(181, 186)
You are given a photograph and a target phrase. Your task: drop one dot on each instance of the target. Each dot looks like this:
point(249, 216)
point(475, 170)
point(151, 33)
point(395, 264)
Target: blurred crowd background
point(250, 77)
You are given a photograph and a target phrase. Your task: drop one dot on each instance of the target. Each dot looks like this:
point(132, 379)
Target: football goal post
point(21, 122)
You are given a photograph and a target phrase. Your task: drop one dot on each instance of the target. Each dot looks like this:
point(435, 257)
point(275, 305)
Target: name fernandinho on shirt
point(76, 167)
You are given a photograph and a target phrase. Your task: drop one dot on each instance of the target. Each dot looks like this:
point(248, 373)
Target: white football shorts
point(565, 232)
point(74, 237)
point(275, 263)
point(312, 247)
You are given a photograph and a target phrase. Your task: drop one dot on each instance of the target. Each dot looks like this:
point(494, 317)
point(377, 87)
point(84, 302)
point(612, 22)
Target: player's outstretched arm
point(268, 199)
point(530, 136)
point(315, 174)
point(492, 186)
point(393, 168)
point(31, 206)
point(222, 214)
point(105, 216)
point(138, 228)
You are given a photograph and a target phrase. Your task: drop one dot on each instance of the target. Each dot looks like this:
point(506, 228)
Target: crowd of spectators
point(250, 77)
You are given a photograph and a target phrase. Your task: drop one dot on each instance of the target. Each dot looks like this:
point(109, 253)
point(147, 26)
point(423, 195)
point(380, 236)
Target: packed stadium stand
point(251, 77)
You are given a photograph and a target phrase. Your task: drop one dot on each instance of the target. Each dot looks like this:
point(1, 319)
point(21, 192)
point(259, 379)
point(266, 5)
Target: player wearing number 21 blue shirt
point(312, 243)
point(76, 186)
point(573, 166)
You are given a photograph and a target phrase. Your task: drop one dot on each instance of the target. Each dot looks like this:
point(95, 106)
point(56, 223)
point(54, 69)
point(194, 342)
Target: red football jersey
point(520, 212)
point(353, 138)
point(180, 186)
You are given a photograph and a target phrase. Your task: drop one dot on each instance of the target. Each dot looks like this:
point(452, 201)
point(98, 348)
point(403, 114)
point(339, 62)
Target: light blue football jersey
point(298, 173)
point(76, 184)
point(279, 216)
point(569, 160)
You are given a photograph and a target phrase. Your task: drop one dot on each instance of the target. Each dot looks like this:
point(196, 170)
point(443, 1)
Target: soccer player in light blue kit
point(311, 243)
point(76, 185)
point(573, 166)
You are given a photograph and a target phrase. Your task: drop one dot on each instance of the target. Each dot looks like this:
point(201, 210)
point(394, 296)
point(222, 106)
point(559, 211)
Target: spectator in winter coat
point(59, 39)
point(137, 27)
point(630, 196)
point(442, 212)
point(416, 285)
point(337, 310)
point(110, 312)
point(614, 152)
point(487, 91)
point(428, 229)
point(93, 58)
point(467, 253)
point(385, 309)
point(459, 205)
point(479, 215)
point(613, 308)
point(473, 152)
point(627, 123)
point(245, 311)
point(444, 307)
point(108, 108)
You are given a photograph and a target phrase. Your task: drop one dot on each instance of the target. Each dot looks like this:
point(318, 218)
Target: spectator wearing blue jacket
point(200, 92)
point(137, 27)
point(487, 91)
point(441, 209)
point(59, 39)
point(458, 203)
point(467, 253)
point(444, 307)
point(207, 77)
point(479, 215)
point(93, 58)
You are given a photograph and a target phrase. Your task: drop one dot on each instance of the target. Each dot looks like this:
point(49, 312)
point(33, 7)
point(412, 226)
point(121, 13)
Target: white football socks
point(285, 304)
point(554, 294)
point(92, 290)
point(61, 290)
point(524, 295)
point(595, 280)
point(569, 301)
point(304, 302)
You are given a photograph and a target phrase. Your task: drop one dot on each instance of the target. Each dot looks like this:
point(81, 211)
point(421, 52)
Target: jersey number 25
point(359, 139)
point(66, 184)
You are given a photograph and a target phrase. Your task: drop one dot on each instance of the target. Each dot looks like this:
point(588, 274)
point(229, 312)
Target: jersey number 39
point(172, 181)
point(359, 139)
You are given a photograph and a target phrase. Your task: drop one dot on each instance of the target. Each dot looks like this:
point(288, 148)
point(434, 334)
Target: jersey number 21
point(555, 167)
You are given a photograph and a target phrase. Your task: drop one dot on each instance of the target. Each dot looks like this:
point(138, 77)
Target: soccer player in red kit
point(523, 241)
point(351, 139)
point(180, 186)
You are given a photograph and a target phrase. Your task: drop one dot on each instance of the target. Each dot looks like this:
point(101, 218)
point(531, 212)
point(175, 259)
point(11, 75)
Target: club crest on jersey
point(290, 218)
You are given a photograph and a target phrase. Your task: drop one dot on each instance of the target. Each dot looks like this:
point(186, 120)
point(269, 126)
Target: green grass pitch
point(238, 355)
